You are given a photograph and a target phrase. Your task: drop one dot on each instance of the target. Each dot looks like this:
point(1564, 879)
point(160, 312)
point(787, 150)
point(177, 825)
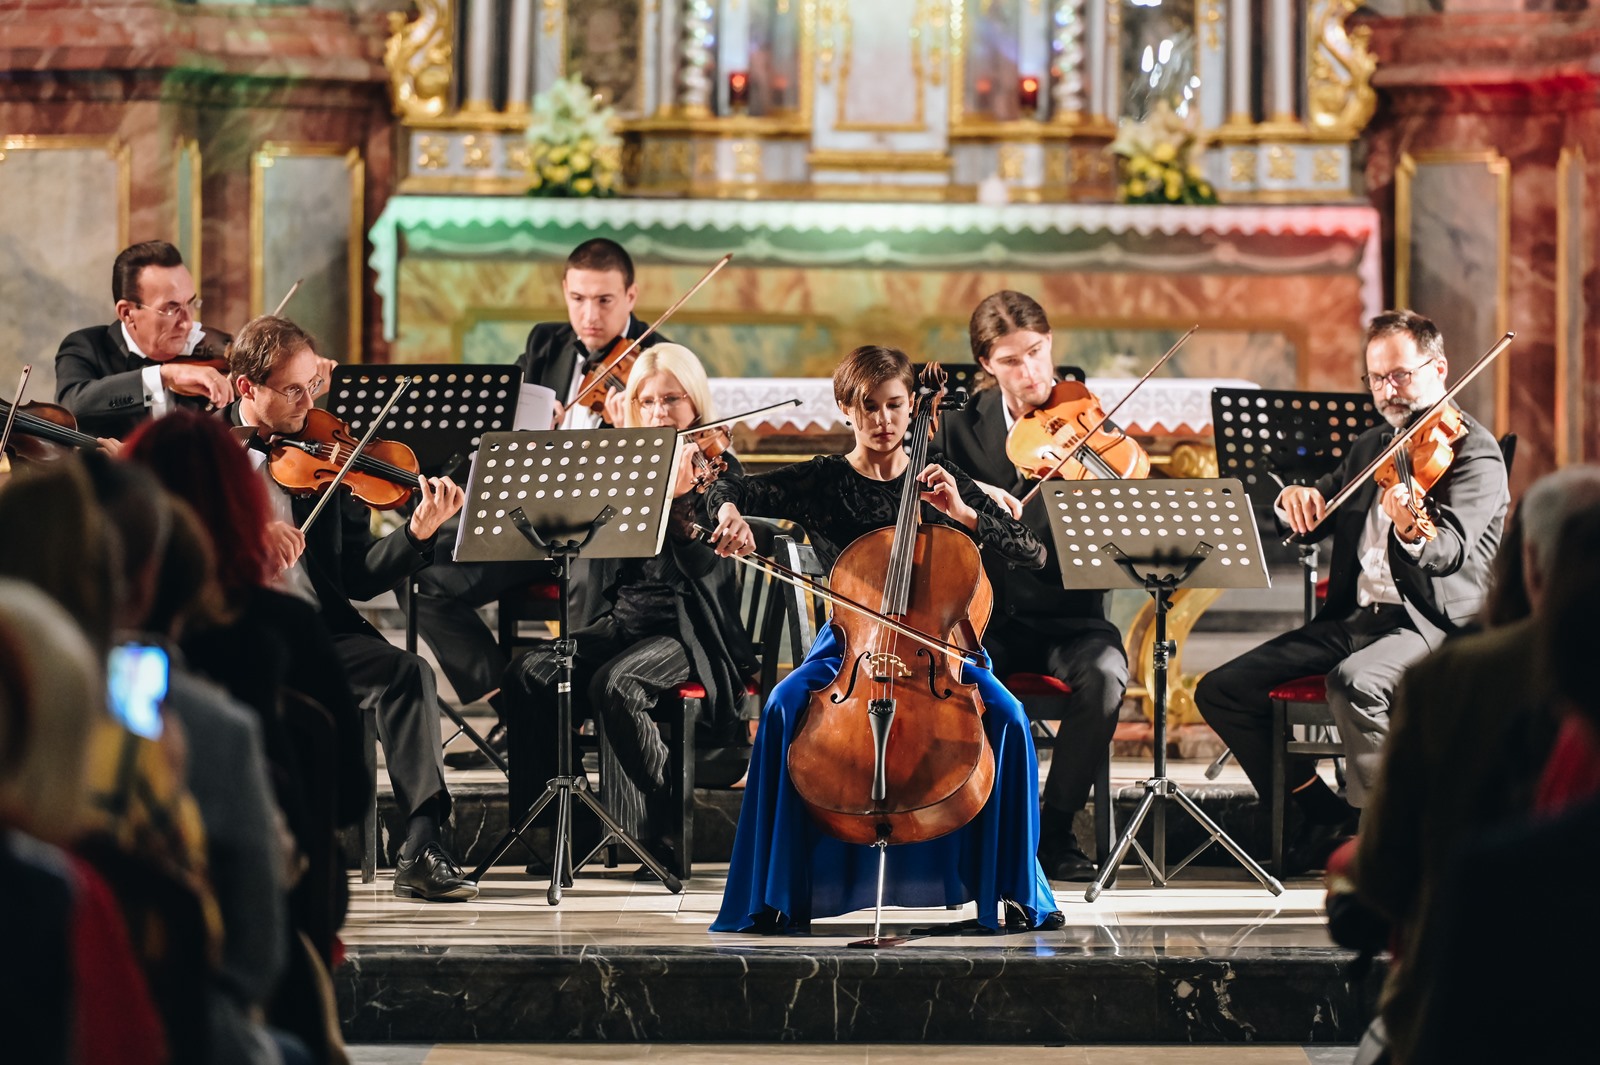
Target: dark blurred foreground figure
point(1534, 1001)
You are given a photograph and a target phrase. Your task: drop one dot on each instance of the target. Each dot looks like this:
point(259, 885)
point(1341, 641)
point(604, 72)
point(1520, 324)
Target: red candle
point(738, 89)
point(1028, 93)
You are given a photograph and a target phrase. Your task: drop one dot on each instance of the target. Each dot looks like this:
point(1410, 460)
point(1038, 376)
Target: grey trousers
point(1363, 655)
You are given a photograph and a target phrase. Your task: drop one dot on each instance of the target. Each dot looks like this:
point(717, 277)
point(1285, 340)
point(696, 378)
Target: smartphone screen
point(136, 678)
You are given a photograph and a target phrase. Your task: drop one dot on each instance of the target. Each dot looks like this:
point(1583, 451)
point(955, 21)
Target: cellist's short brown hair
point(866, 369)
point(262, 344)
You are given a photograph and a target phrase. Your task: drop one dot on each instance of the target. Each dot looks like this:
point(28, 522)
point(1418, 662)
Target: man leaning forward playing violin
point(1038, 625)
point(1393, 594)
point(276, 370)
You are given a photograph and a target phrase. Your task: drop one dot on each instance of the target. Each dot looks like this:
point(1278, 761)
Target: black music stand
point(556, 494)
point(1271, 439)
point(1157, 535)
point(445, 412)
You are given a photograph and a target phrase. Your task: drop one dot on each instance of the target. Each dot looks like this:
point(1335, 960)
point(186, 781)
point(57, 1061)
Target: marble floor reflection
point(1216, 916)
point(727, 1054)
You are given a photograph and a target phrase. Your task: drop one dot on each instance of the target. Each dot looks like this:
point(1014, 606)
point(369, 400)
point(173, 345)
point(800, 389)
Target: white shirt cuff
point(1414, 550)
point(156, 396)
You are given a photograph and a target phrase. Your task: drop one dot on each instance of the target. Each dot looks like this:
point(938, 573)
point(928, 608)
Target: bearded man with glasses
point(1393, 596)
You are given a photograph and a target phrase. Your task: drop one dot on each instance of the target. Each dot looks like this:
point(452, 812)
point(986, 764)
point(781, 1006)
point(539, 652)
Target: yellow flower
point(580, 160)
point(583, 186)
point(1137, 187)
point(535, 181)
point(586, 144)
point(1165, 152)
point(558, 153)
point(1173, 186)
point(558, 175)
point(605, 179)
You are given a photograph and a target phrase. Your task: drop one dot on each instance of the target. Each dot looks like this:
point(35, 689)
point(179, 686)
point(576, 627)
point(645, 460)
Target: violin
point(612, 366)
point(709, 460)
point(211, 350)
point(41, 432)
point(383, 477)
point(1073, 423)
point(893, 749)
point(1418, 465)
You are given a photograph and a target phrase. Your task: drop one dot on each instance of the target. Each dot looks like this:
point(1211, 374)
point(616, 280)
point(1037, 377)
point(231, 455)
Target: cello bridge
point(885, 666)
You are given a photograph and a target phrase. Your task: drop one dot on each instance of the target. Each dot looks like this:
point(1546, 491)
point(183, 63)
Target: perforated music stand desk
point(1157, 535)
point(444, 413)
point(603, 493)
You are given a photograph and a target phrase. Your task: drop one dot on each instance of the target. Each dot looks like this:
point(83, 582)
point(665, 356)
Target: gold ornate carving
point(1325, 166)
point(476, 153)
point(1339, 95)
point(1211, 22)
point(1187, 605)
point(1280, 163)
point(1055, 166)
point(1011, 162)
point(828, 159)
point(1193, 460)
point(747, 158)
point(518, 157)
point(1242, 167)
point(552, 8)
point(432, 153)
point(418, 58)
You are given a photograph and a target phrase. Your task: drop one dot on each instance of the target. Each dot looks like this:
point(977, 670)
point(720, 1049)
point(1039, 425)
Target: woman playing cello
point(785, 870)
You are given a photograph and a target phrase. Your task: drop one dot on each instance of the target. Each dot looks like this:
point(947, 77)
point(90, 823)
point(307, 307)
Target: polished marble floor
point(731, 1054)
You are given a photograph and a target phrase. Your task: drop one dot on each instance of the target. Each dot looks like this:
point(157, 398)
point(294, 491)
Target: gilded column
point(1281, 50)
point(519, 58)
point(696, 55)
point(1240, 68)
point(1067, 72)
point(480, 61)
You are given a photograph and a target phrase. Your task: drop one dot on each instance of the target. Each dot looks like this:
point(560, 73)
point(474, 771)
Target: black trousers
point(1095, 666)
point(400, 689)
point(1363, 655)
point(620, 680)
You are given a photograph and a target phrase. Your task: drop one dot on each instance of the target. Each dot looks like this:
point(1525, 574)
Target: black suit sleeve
point(370, 566)
point(90, 386)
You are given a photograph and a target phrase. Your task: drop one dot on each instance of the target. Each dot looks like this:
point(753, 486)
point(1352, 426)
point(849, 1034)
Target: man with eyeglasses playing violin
point(1393, 593)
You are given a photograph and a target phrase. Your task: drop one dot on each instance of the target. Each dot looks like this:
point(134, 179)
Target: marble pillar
point(1241, 68)
point(480, 56)
point(519, 58)
point(1282, 47)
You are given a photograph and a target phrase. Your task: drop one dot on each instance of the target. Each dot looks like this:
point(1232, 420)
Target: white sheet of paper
point(536, 408)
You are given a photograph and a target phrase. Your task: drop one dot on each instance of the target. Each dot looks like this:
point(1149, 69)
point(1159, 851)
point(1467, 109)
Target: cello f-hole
point(933, 674)
point(855, 671)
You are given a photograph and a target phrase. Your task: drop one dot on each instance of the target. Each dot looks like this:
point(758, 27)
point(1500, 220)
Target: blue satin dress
point(786, 870)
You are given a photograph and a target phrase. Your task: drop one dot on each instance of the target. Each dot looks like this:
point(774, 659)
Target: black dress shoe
point(1312, 845)
point(432, 876)
point(472, 757)
point(1060, 856)
point(1017, 919)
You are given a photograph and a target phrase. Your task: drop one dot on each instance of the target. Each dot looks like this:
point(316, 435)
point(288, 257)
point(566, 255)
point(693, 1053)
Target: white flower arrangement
point(1159, 159)
point(573, 149)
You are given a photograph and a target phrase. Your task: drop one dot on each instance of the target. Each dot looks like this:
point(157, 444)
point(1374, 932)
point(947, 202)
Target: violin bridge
point(886, 666)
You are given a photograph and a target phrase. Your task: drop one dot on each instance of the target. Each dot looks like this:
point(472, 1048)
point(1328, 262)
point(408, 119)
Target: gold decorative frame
point(1499, 167)
point(196, 214)
point(260, 162)
point(115, 147)
point(1570, 409)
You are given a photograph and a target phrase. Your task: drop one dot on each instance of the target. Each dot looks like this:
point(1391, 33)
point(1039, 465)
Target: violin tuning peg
point(955, 399)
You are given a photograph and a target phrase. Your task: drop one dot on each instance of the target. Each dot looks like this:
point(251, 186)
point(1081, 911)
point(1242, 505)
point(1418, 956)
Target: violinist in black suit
point(1038, 626)
point(112, 377)
point(276, 370)
point(599, 289)
point(1392, 594)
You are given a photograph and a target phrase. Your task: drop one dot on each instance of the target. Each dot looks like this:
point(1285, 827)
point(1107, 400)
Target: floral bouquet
point(1158, 160)
point(572, 149)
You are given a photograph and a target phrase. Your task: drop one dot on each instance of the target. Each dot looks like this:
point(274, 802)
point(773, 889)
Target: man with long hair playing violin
point(1039, 626)
point(276, 370)
point(1393, 593)
point(786, 870)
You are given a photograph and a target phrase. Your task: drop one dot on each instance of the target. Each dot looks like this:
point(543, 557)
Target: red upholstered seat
point(691, 690)
point(1304, 690)
point(1025, 684)
point(1322, 590)
point(543, 590)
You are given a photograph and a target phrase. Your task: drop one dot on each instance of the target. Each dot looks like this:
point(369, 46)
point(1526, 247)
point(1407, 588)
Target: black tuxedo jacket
point(1444, 586)
point(554, 351)
point(975, 439)
point(97, 379)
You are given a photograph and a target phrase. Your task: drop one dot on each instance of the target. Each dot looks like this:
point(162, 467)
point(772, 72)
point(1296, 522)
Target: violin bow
point(355, 453)
point(11, 415)
point(1402, 436)
point(612, 363)
point(806, 584)
point(738, 417)
point(1116, 407)
point(287, 296)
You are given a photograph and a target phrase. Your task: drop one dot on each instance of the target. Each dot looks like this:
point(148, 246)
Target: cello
point(893, 750)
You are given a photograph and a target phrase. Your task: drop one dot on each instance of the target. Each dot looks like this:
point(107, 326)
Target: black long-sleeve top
point(836, 504)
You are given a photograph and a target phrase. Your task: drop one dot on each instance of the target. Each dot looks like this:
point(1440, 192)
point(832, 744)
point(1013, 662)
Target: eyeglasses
point(295, 393)
point(1398, 378)
point(663, 403)
point(172, 310)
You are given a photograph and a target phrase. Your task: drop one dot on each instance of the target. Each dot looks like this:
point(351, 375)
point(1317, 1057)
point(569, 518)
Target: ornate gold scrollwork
point(1339, 95)
point(418, 58)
